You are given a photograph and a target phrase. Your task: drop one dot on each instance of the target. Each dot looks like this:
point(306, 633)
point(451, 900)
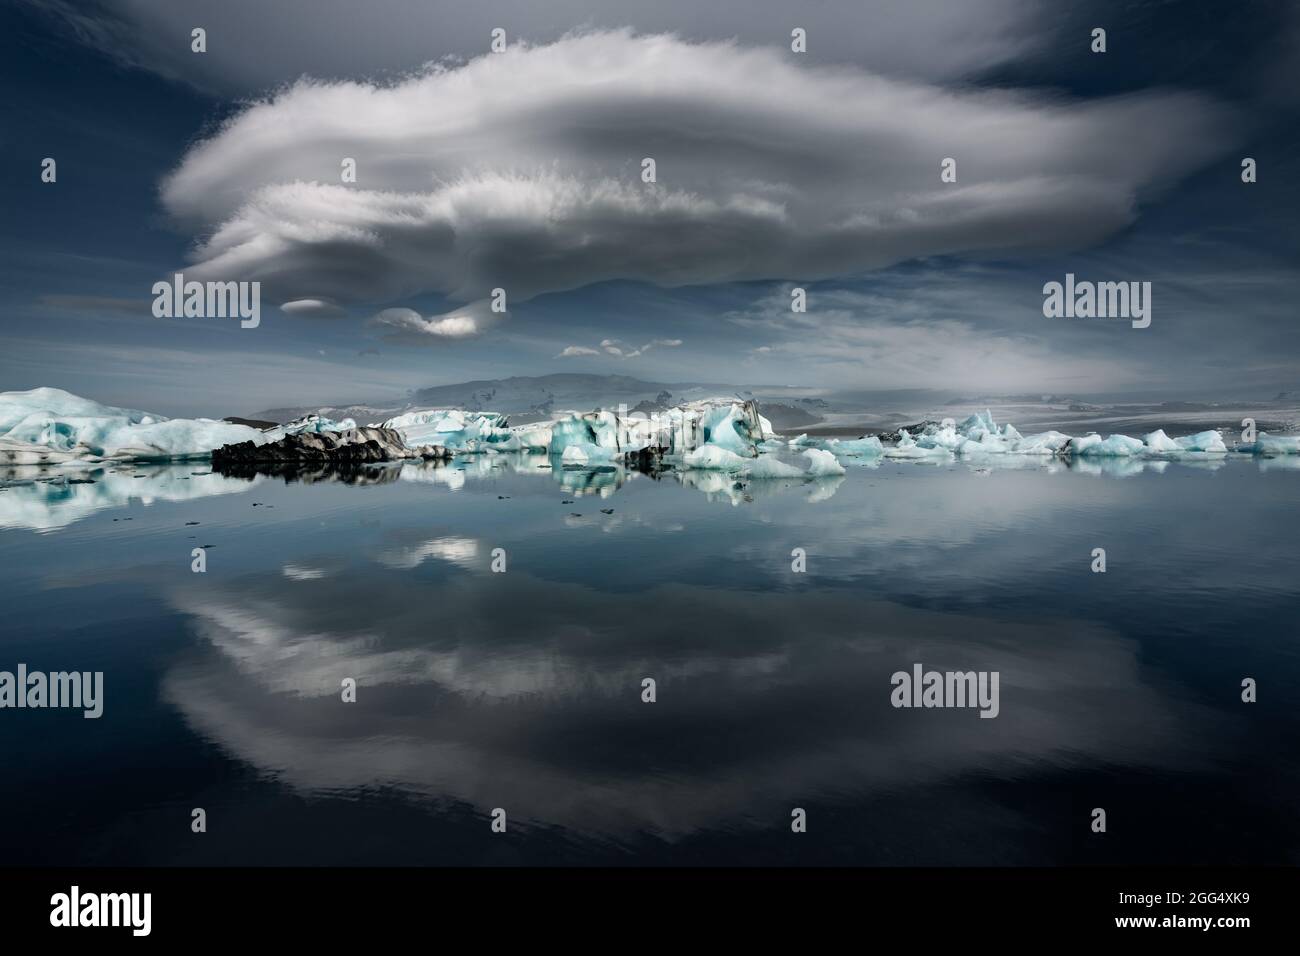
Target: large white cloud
point(522, 170)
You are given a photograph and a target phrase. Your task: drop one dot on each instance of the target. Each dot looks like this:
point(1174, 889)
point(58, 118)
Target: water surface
point(522, 690)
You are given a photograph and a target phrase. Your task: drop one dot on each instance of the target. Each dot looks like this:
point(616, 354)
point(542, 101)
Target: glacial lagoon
point(522, 689)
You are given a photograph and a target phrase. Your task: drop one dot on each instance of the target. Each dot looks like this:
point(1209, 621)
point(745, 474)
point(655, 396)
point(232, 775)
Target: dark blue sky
point(1122, 166)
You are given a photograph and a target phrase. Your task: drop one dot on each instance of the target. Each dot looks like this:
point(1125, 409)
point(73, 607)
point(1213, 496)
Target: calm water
point(522, 690)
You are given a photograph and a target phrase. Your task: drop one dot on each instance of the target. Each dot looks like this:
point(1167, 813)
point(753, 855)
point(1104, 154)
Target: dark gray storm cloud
point(342, 38)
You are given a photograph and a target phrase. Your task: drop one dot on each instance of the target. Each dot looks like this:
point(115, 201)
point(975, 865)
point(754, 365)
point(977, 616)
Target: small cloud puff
point(617, 348)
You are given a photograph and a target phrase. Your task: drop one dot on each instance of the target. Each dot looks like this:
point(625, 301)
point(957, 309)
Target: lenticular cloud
point(522, 170)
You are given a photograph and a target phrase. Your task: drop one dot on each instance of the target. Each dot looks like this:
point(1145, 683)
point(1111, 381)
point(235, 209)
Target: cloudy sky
point(522, 171)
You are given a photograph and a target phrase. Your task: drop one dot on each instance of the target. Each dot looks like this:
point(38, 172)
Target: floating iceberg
point(908, 447)
point(1043, 443)
point(591, 430)
point(822, 464)
point(725, 423)
point(1158, 441)
point(766, 466)
point(528, 437)
point(448, 427)
point(734, 426)
point(51, 426)
point(1274, 445)
point(714, 458)
point(978, 425)
point(47, 426)
point(1207, 442)
point(867, 447)
point(979, 436)
point(587, 454)
point(1116, 446)
point(316, 425)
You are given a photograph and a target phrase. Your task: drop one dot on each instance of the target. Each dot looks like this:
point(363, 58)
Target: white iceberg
point(1042, 443)
point(599, 429)
point(1158, 441)
point(734, 426)
point(978, 425)
point(767, 466)
point(908, 447)
point(50, 426)
point(587, 454)
point(449, 427)
point(946, 437)
point(987, 444)
point(1116, 446)
point(714, 458)
point(1206, 442)
point(822, 463)
point(315, 425)
point(867, 447)
point(531, 437)
point(1274, 445)
point(976, 437)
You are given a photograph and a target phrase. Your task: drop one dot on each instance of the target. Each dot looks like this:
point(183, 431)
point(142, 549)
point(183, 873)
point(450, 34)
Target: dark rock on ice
point(913, 430)
point(353, 446)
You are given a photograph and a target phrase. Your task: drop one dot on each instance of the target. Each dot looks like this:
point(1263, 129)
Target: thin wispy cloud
point(919, 38)
point(618, 349)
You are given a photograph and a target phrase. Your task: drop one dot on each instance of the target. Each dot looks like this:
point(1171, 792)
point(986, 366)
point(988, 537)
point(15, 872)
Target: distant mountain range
point(533, 398)
point(823, 411)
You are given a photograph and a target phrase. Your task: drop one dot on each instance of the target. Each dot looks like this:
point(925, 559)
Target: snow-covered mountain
point(535, 398)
